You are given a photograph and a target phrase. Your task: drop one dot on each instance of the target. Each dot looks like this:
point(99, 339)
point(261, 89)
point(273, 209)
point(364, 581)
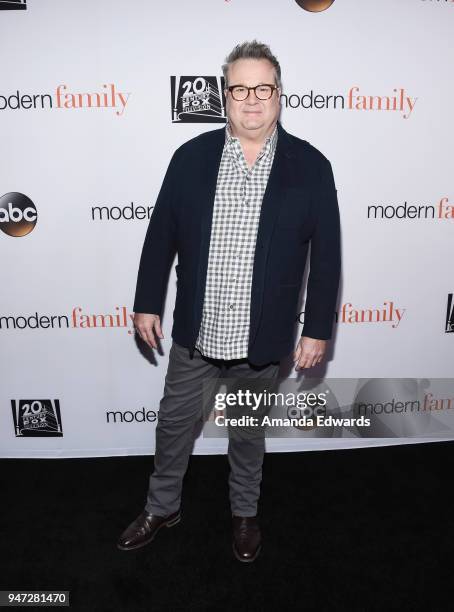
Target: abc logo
point(17, 214)
point(315, 6)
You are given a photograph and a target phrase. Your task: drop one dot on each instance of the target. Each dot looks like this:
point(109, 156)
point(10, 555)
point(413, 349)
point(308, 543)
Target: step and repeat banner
point(94, 99)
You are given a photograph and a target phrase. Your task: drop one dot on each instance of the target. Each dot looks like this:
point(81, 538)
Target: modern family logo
point(129, 416)
point(78, 319)
point(65, 99)
point(354, 100)
point(429, 403)
point(388, 314)
point(355, 315)
point(130, 212)
point(443, 211)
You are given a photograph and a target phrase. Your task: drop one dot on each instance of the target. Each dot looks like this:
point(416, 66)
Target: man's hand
point(309, 352)
point(146, 326)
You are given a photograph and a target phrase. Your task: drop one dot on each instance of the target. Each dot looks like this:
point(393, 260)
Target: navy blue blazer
point(299, 208)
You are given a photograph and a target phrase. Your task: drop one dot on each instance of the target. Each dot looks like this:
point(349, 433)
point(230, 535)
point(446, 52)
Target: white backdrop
point(69, 159)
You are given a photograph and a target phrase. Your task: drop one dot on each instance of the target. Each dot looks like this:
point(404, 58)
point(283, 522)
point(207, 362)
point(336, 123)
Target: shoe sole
point(171, 523)
point(250, 559)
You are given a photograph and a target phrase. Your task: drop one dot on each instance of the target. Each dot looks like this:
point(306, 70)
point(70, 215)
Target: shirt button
point(231, 306)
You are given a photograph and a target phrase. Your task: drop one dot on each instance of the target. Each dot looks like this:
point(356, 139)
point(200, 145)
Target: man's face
point(252, 114)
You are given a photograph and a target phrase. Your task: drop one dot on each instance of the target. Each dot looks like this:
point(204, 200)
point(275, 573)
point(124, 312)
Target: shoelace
point(141, 530)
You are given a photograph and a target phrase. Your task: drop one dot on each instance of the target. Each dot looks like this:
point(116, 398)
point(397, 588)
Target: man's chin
point(253, 124)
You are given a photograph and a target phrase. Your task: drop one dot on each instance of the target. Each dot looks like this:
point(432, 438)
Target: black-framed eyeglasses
point(241, 92)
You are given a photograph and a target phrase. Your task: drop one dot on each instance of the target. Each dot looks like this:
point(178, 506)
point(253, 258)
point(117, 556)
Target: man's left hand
point(309, 352)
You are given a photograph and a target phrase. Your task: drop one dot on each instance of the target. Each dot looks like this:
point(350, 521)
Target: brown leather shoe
point(247, 540)
point(144, 528)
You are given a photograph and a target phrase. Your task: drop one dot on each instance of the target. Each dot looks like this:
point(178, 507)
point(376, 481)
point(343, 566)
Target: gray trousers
point(182, 410)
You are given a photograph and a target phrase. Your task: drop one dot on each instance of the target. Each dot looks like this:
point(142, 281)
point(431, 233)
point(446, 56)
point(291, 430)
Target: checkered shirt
point(224, 329)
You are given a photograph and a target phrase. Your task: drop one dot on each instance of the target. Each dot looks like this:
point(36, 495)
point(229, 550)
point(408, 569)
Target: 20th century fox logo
point(197, 99)
point(11, 5)
point(37, 417)
point(449, 326)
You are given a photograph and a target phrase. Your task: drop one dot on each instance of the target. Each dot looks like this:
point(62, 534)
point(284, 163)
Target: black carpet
point(369, 529)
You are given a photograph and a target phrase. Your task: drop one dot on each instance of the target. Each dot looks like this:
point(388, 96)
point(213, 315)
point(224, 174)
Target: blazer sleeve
point(159, 246)
point(325, 262)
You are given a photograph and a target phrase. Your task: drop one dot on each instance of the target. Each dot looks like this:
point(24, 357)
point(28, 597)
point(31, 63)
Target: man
point(240, 206)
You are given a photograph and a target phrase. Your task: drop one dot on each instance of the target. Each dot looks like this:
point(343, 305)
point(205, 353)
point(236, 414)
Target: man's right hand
point(146, 326)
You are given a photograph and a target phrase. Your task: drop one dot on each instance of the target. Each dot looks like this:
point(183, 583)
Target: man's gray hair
point(252, 50)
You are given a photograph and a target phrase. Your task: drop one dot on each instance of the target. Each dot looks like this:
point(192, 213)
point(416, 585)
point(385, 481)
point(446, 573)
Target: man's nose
point(252, 98)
